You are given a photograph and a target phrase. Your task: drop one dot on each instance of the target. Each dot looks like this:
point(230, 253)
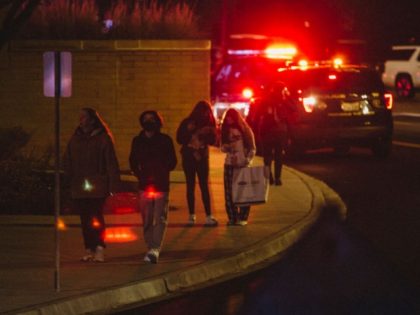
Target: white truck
point(402, 70)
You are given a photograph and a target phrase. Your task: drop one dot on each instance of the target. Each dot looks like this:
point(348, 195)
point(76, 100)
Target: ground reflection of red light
point(124, 210)
point(119, 235)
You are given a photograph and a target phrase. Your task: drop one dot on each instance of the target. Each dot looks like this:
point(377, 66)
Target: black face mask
point(150, 126)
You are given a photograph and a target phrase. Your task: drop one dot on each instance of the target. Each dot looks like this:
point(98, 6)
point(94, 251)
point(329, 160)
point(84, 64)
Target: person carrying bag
point(239, 145)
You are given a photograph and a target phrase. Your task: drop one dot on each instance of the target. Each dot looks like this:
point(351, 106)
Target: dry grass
point(76, 19)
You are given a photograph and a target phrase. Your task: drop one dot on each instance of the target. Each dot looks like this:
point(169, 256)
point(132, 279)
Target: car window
point(245, 71)
point(332, 81)
point(401, 54)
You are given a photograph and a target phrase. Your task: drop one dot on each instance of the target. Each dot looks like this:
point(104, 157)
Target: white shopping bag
point(250, 185)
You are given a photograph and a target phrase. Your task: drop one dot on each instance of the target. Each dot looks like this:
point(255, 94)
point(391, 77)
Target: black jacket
point(206, 135)
point(151, 160)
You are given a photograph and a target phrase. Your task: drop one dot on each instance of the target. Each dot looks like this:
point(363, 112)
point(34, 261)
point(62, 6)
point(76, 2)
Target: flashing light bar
point(276, 52)
point(244, 52)
point(247, 93)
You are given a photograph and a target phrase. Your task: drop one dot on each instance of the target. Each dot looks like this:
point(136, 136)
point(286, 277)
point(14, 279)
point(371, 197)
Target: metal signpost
point(57, 84)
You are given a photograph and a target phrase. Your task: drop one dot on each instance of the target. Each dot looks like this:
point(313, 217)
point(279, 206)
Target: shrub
point(26, 184)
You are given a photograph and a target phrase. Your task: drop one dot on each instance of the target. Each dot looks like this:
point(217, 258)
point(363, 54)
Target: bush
point(26, 184)
point(73, 19)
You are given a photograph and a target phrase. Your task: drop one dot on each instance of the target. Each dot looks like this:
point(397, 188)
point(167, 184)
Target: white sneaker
point(99, 254)
point(88, 256)
point(152, 256)
point(191, 219)
point(210, 221)
point(146, 257)
point(241, 222)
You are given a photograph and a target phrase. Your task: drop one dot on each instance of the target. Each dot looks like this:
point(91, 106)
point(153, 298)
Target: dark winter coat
point(91, 165)
point(152, 159)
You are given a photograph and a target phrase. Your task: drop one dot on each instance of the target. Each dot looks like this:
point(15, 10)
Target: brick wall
point(118, 78)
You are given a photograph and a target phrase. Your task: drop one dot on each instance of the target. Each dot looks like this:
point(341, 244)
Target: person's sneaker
point(241, 222)
point(146, 257)
point(99, 254)
point(210, 221)
point(191, 219)
point(152, 255)
point(278, 182)
point(88, 256)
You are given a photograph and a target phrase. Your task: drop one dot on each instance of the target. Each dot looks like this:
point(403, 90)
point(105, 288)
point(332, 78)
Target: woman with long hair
point(91, 165)
point(195, 134)
point(239, 145)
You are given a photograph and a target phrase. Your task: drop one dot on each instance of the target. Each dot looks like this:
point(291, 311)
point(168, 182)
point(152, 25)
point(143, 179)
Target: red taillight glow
point(119, 235)
point(389, 100)
point(247, 93)
point(332, 77)
point(309, 103)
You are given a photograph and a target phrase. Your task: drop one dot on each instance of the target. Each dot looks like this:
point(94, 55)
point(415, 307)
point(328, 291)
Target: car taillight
point(309, 103)
point(247, 93)
point(389, 100)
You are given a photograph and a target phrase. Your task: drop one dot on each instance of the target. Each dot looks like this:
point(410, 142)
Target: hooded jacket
point(152, 159)
point(91, 165)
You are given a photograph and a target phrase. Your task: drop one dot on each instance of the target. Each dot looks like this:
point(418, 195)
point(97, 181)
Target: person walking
point(239, 145)
point(275, 116)
point(195, 134)
point(91, 165)
point(152, 158)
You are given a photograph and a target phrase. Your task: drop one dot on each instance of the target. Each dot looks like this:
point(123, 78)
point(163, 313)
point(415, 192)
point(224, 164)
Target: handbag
point(250, 185)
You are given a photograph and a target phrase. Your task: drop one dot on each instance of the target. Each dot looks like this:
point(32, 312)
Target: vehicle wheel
point(341, 150)
point(382, 148)
point(404, 86)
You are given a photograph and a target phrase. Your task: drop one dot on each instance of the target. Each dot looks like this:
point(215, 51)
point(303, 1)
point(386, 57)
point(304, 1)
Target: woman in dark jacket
point(91, 165)
point(195, 134)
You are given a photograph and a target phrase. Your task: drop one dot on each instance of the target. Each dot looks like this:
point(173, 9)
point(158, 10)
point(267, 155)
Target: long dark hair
point(202, 114)
point(239, 123)
point(98, 122)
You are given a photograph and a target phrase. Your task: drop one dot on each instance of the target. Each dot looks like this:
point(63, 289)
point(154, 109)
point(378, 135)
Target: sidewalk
point(191, 257)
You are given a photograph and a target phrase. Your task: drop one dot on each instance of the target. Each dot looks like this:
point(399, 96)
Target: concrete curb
point(204, 274)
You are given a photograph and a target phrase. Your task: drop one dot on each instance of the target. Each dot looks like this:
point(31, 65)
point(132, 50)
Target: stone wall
point(118, 78)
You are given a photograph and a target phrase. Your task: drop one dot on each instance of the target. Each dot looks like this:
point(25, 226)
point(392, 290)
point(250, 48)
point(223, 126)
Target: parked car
point(401, 70)
point(334, 106)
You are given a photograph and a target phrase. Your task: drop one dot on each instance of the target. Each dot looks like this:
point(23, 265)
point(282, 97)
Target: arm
point(184, 132)
point(171, 160)
point(112, 166)
point(133, 159)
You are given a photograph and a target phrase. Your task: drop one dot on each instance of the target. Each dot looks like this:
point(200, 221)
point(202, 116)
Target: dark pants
point(92, 221)
point(234, 213)
point(273, 150)
point(200, 167)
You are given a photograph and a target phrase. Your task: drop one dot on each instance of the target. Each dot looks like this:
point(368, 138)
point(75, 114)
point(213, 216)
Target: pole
point(57, 85)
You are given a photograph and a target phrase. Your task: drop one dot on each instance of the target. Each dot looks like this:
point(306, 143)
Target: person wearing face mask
point(195, 134)
point(152, 158)
point(239, 145)
point(91, 165)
